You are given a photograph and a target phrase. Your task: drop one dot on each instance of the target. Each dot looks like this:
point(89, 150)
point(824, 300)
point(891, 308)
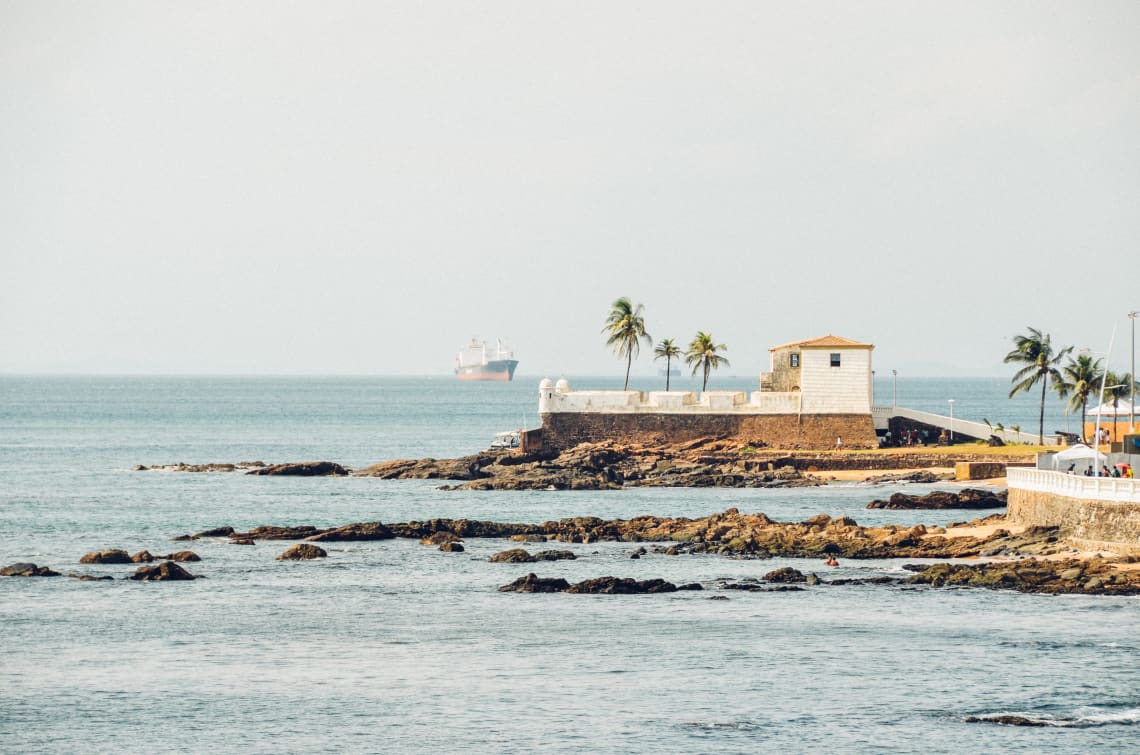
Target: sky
point(361, 187)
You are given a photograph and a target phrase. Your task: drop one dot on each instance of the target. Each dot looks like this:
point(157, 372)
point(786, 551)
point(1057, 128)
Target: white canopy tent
point(1079, 457)
point(1123, 409)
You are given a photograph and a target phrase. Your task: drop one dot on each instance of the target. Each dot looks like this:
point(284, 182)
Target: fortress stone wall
point(563, 430)
point(1096, 514)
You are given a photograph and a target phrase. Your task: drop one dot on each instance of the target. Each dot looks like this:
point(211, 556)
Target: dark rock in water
point(529, 538)
point(109, 556)
point(184, 556)
point(24, 569)
point(303, 469)
point(215, 532)
point(555, 556)
point(786, 575)
point(513, 556)
point(1006, 720)
point(167, 571)
point(813, 579)
point(142, 557)
point(439, 538)
point(971, 498)
point(921, 475)
point(301, 552)
point(269, 532)
point(358, 531)
point(242, 541)
point(533, 583)
point(622, 586)
point(691, 586)
point(451, 547)
point(91, 577)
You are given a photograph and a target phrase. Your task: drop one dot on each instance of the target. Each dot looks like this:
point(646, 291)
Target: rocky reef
point(969, 498)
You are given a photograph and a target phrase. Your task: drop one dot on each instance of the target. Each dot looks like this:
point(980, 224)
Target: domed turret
point(545, 395)
point(563, 386)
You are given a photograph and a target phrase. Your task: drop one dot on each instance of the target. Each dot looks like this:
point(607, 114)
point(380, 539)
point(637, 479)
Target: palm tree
point(625, 326)
point(1117, 385)
point(1035, 351)
point(702, 355)
point(668, 351)
point(1079, 379)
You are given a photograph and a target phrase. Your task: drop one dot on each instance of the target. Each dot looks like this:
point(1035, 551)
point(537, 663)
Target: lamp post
point(951, 421)
point(895, 389)
point(1132, 402)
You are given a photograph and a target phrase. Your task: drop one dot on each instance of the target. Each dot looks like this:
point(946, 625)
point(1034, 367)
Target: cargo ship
point(477, 362)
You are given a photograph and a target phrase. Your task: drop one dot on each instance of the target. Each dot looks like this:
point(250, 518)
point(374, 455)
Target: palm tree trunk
point(668, 361)
point(705, 382)
point(1041, 418)
point(628, 364)
point(1084, 405)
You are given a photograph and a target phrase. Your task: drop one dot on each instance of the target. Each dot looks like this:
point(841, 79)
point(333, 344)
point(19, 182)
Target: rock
point(691, 586)
point(242, 541)
point(25, 569)
point(109, 556)
point(142, 557)
point(91, 577)
point(438, 538)
point(939, 499)
point(529, 538)
point(555, 556)
point(358, 531)
point(812, 579)
point(269, 532)
point(785, 575)
point(1006, 720)
point(215, 532)
point(302, 552)
point(621, 586)
point(167, 571)
point(303, 469)
point(532, 583)
point(1070, 574)
point(451, 546)
point(181, 556)
point(513, 556)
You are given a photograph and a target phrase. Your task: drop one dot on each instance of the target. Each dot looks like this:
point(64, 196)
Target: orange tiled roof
point(824, 342)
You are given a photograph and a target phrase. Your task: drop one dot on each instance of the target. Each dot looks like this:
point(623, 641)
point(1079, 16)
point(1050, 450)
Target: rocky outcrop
point(730, 533)
point(521, 556)
point(183, 467)
point(108, 556)
point(533, 583)
point(453, 546)
point(621, 586)
point(25, 569)
point(302, 469)
point(164, 572)
point(786, 575)
point(359, 531)
point(970, 498)
point(710, 462)
point(302, 552)
point(1093, 576)
point(921, 475)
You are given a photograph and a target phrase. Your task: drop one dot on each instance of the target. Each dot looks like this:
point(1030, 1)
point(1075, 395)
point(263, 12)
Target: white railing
point(957, 424)
point(1116, 489)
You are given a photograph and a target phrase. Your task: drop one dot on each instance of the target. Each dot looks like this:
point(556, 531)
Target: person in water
point(831, 561)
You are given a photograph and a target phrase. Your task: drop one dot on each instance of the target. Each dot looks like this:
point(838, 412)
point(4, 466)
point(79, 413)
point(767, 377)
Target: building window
point(794, 360)
point(835, 360)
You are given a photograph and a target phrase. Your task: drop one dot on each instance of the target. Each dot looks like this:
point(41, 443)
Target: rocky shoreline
point(706, 462)
point(1035, 559)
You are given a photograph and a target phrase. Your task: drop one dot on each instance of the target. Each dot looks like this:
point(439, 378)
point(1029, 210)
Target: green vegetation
point(625, 327)
point(1080, 378)
point(668, 351)
point(1116, 387)
point(703, 354)
point(1035, 351)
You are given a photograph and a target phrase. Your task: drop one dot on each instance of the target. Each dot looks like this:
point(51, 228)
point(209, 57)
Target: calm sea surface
point(392, 646)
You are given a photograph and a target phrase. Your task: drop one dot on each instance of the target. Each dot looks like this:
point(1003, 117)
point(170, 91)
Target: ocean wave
point(1087, 718)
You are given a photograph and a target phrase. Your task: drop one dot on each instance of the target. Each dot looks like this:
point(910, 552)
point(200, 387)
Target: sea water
point(391, 646)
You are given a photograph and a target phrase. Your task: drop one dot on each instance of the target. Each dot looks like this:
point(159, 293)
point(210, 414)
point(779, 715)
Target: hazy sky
point(360, 187)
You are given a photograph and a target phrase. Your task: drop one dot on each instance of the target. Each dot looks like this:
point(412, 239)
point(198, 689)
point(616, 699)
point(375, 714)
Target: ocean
point(391, 646)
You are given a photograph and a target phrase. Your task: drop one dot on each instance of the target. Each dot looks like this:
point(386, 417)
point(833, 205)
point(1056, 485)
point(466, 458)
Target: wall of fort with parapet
point(562, 430)
point(1096, 514)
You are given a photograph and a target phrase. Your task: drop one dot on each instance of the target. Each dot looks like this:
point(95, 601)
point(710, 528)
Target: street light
point(895, 390)
point(951, 421)
point(1132, 403)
